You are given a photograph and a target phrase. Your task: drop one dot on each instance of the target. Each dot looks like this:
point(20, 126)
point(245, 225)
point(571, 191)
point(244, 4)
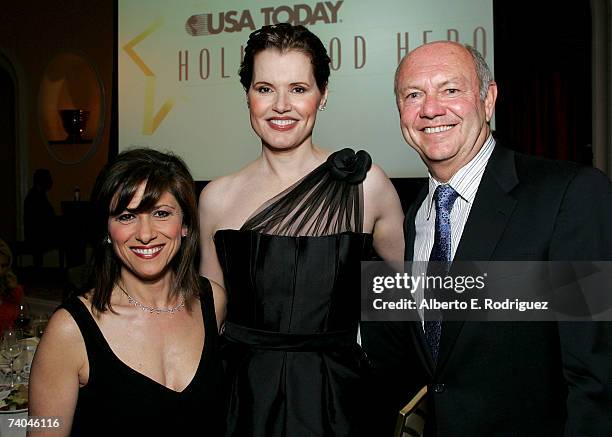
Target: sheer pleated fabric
point(329, 200)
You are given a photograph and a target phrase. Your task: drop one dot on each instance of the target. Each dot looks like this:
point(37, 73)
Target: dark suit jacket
point(510, 378)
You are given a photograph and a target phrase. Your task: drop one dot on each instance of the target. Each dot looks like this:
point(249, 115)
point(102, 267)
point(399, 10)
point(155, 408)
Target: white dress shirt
point(465, 182)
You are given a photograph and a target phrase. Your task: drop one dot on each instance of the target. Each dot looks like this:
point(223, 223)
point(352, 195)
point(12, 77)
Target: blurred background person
point(41, 225)
point(11, 293)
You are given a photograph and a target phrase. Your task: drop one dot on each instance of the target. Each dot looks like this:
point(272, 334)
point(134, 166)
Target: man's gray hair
point(485, 77)
point(483, 72)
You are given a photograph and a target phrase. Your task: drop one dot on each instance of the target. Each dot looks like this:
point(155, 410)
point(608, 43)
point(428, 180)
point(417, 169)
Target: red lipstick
point(282, 124)
point(147, 252)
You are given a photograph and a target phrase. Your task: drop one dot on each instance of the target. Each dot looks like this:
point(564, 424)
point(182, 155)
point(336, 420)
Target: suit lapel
point(493, 206)
point(489, 216)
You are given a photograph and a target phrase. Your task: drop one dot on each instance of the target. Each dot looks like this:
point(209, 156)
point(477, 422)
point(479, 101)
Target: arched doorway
point(9, 157)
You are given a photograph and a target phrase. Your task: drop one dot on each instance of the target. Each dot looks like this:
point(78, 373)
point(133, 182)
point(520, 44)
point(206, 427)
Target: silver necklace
point(153, 310)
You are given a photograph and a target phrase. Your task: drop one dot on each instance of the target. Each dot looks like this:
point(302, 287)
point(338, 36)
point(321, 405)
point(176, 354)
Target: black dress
point(292, 277)
point(120, 401)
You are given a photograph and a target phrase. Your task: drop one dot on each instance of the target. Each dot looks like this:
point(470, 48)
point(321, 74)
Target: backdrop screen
point(179, 88)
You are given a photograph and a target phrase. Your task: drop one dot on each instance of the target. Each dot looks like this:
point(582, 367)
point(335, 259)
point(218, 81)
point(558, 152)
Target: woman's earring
point(107, 240)
point(322, 107)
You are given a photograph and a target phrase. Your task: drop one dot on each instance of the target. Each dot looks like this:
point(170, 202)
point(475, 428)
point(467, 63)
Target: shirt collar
point(465, 182)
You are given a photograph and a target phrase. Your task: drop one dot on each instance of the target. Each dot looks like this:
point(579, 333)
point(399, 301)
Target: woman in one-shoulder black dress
point(286, 235)
point(293, 313)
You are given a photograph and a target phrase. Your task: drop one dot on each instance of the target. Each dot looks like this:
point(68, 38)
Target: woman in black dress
point(286, 235)
point(136, 355)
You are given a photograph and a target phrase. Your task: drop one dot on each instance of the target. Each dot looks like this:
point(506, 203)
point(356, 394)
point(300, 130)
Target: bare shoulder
point(376, 181)
point(219, 193)
point(62, 326)
point(380, 197)
point(62, 341)
point(212, 193)
point(214, 200)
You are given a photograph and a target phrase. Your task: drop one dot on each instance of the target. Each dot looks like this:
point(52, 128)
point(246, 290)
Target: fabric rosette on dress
point(348, 166)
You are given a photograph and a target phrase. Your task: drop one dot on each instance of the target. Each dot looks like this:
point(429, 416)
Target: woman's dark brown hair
point(113, 190)
point(285, 37)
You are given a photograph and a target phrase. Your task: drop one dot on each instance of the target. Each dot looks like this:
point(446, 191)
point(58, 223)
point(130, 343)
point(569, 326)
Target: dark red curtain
point(543, 71)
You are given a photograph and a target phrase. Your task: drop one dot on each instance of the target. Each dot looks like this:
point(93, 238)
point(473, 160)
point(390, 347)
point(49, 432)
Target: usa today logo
point(237, 21)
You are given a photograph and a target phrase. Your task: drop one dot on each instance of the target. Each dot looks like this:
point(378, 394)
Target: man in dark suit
point(485, 202)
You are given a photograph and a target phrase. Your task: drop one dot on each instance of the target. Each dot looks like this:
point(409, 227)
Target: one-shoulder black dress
point(293, 283)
